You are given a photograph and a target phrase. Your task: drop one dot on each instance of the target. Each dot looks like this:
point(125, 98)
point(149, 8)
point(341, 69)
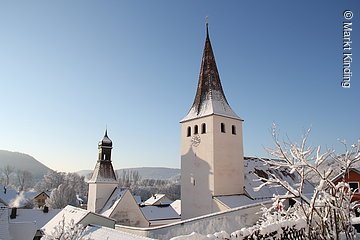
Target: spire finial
point(106, 131)
point(207, 26)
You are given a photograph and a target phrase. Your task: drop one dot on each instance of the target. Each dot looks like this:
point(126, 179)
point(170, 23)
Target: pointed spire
point(106, 141)
point(210, 98)
point(106, 132)
point(207, 27)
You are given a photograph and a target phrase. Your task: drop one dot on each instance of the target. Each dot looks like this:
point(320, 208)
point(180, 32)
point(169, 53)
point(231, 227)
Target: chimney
point(13, 213)
point(46, 209)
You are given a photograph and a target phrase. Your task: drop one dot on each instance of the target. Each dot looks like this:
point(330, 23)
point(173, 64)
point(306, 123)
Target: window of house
point(203, 128)
point(233, 129)
point(196, 129)
point(188, 132)
point(222, 127)
point(354, 186)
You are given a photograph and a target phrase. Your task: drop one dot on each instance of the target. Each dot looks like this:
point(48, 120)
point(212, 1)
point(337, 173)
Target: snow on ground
point(103, 233)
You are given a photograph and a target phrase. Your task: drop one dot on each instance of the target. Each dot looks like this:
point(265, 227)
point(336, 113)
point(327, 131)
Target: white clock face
point(195, 140)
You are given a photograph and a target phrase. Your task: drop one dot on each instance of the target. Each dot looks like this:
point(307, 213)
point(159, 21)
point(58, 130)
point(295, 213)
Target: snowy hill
point(21, 161)
point(145, 172)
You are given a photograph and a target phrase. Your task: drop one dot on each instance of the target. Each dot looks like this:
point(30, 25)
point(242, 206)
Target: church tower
point(212, 159)
point(103, 181)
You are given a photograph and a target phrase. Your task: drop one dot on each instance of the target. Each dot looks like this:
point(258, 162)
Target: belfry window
point(196, 129)
point(233, 129)
point(188, 132)
point(222, 127)
point(203, 128)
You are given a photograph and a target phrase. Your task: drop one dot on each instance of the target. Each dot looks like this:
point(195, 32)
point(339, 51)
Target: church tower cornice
point(210, 98)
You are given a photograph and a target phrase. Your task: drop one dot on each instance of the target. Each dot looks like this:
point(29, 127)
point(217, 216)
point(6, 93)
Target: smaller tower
point(103, 180)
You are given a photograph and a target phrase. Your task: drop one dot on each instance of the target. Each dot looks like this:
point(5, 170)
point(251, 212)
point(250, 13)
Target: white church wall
point(127, 212)
point(99, 193)
point(229, 221)
point(228, 157)
point(196, 182)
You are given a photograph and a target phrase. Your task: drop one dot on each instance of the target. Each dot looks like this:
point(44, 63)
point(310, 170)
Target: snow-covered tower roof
point(210, 98)
point(104, 171)
point(106, 141)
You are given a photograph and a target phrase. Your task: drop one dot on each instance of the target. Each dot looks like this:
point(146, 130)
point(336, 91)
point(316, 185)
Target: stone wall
point(229, 221)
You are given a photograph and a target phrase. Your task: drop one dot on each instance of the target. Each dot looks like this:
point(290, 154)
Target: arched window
point(222, 127)
point(203, 128)
point(233, 129)
point(196, 129)
point(188, 132)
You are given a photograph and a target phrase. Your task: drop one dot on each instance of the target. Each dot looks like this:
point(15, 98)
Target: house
point(40, 198)
point(353, 178)
point(4, 222)
point(24, 223)
point(158, 199)
point(79, 216)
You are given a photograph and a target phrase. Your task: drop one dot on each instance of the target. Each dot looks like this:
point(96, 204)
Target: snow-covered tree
point(7, 171)
point(50, 181)
point(66, 231)
point(62, 196)
point(78, 182)
point(327, 213)
point(24, 179)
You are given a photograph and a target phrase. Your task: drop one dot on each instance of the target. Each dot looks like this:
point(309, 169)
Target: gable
point(123, 208)
point(255, 166)
point(353, 175)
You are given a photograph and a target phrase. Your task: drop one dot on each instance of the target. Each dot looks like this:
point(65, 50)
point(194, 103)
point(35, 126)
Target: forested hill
point(22, 161)
point(145, 172)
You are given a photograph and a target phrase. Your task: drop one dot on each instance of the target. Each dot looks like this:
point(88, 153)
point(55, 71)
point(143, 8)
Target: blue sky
point(68, 69)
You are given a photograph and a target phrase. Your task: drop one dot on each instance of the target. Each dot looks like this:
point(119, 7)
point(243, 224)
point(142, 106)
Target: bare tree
point(24, 179)
point(50, 181)
point(7, 171)
point(328, 211)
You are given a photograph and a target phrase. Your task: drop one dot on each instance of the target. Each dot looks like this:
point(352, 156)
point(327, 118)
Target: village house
point(353, 178)
point(23, 224)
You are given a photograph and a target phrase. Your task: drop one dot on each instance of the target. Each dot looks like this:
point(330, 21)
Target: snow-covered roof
point(210, 98)
point(158, 199)
point(103, 172)
point(254, 166)
point(31, 194)
point(234, 201)
point(112, 202)
point(176, 205)
point(38, 216)
point(137, 199)
point(7, 197)
point(153, 213)
point(104, 233)
point(4, 222)
point(70, 213)
point(28, 221)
